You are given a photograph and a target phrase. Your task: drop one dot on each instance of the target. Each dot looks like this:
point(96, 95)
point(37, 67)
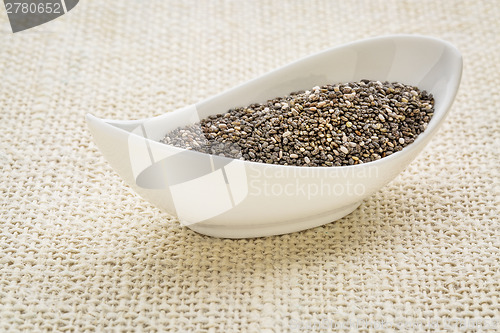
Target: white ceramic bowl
point(223, 197)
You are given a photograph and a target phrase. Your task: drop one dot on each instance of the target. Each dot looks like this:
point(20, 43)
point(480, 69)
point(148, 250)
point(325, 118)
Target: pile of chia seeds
point(331, 125)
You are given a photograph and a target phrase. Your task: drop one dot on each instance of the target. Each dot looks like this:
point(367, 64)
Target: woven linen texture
point(79, 251)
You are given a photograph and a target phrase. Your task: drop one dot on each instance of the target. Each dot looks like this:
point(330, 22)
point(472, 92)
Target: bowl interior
point(427, 63)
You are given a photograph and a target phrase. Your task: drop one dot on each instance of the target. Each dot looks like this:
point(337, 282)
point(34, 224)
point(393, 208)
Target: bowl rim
point(431, 128)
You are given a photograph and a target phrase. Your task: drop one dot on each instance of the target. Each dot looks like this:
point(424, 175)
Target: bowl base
point(271, 229)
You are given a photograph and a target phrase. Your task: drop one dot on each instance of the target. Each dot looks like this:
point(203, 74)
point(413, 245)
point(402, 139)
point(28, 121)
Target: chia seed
point(332, 125)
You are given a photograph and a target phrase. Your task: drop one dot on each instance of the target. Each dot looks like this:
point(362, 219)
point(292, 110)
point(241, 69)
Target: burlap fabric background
point(79, 251)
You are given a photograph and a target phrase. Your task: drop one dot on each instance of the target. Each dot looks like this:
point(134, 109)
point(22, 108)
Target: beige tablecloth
point(79, 251)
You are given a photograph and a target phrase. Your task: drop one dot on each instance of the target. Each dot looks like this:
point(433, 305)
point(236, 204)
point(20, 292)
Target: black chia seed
point(331, 125)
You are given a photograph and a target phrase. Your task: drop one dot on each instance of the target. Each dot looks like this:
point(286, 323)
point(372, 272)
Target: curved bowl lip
point(433, 124)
